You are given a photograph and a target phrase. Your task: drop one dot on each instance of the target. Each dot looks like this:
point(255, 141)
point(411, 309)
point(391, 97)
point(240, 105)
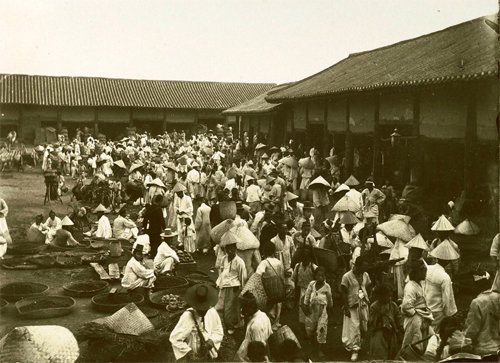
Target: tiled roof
point(91, 91)
point(462, 52)
point(256, 105)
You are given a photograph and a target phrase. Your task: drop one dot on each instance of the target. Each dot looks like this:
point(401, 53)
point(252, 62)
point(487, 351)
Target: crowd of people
point(287, 236)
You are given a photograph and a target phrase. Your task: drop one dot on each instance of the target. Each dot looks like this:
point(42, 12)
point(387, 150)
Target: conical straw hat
point(402, 217)
point(260, 146)
point(135, 166)
point(445, 251)
point(384, 241)
point(342, 188)
point(101, 208)
point(67, 222)
point(179, 188)
point(319, 181)
point(290, 196)
point(348, 218)
point(418, 242)
point(346, 204)
point(351, 181)
point(120, 164)
point(443, 224)
point(396, 228)
point(157, 182)
point(467, 228)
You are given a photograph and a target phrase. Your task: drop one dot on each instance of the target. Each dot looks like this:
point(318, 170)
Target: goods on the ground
point(18, 290)
point(168, 282)
point(185, 257)
point(68, 261)
point(85, 288)
point(40, 307)
point(113, 302)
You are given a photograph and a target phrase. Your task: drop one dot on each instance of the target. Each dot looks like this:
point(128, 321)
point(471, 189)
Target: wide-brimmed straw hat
point(418, 242)
point(157, 182)
point(201, 296)
point(443, 225)
point(67, 222)
point(347, 218)
point(346, 204)
point(290, 196)
point(351, 181)
point(467, 228)
point(319, 181)
point(168, 232)
point(445, 251)
point(179, 188)
point(101, 208)
point(135, 166)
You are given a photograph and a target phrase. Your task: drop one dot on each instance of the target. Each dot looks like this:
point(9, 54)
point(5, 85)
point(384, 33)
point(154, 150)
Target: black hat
point(201, 297)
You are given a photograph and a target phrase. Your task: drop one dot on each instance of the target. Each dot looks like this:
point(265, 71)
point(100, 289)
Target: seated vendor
point(103, 226)
point(166, 257)
point(136, 274)
point(37, 231)
point(63, 236)
point(123, 226)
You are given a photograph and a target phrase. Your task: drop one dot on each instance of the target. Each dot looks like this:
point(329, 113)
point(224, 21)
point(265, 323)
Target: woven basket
point(255, 286)
point(279, 336)
point(155, 298)
point(104, 302)
point(198, 277)
point(17, 290)
point(274, 286)
point(85, 288)
point(68, 261)
point(25, 248)
point(170, 282)
point(63, 305)
point(41, 344)
point(18, 263)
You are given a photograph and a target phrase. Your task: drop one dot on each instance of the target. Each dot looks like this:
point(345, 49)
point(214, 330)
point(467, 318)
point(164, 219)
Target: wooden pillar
point(59, 122)
point(376, 139)
point(307, 138)
point(349, 149)
point(417, 156)
point(470, 144)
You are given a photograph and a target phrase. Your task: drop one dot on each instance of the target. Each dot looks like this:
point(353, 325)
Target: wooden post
point(376, 138)
point(164, 126)
point(349, 150)
point(417, 159)
point(307, 137)
point(470, 145)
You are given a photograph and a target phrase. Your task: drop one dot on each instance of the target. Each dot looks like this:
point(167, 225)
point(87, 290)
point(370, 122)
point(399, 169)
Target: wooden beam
point(349, 150)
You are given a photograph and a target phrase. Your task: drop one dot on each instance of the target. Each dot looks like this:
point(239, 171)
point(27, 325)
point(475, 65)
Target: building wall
point(28, 118)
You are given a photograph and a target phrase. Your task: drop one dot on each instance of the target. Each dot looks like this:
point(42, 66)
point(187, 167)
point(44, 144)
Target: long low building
point(440, 91)
point(109, 106)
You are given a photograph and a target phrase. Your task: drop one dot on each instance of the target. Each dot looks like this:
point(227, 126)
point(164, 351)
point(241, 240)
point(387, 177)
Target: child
point(317, 300)
point(188, 235)
point(302, 277)
point(384, 325)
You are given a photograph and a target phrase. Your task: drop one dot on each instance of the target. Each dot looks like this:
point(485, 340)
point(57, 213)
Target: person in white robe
point(193, 180)
point(166, 257)
point(203, 227)
point(52, 224)
point(258, 324)
point(136, 274)
point(103, 225)
point(124, 227)
point(4, 229)
point(183, 205)
point(200, 319)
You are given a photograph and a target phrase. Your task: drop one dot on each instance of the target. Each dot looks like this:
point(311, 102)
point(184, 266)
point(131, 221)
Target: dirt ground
point(24, 193)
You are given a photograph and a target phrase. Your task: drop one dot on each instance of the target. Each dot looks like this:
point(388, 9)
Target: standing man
point(183, 204)
point(438, 288)
point(154, 223)
point(253, 195)
point(372, 198)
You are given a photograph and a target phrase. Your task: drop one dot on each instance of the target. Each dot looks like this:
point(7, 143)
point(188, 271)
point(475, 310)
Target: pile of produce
point(173, 302)
point(185, 257)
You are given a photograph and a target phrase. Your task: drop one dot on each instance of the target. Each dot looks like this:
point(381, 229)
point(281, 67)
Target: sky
point(273, 41)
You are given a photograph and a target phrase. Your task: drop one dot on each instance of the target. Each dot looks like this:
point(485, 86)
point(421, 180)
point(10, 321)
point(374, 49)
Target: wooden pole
point(349, 150)
point(327, 136)
point(96, 123)
point(376, 138)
